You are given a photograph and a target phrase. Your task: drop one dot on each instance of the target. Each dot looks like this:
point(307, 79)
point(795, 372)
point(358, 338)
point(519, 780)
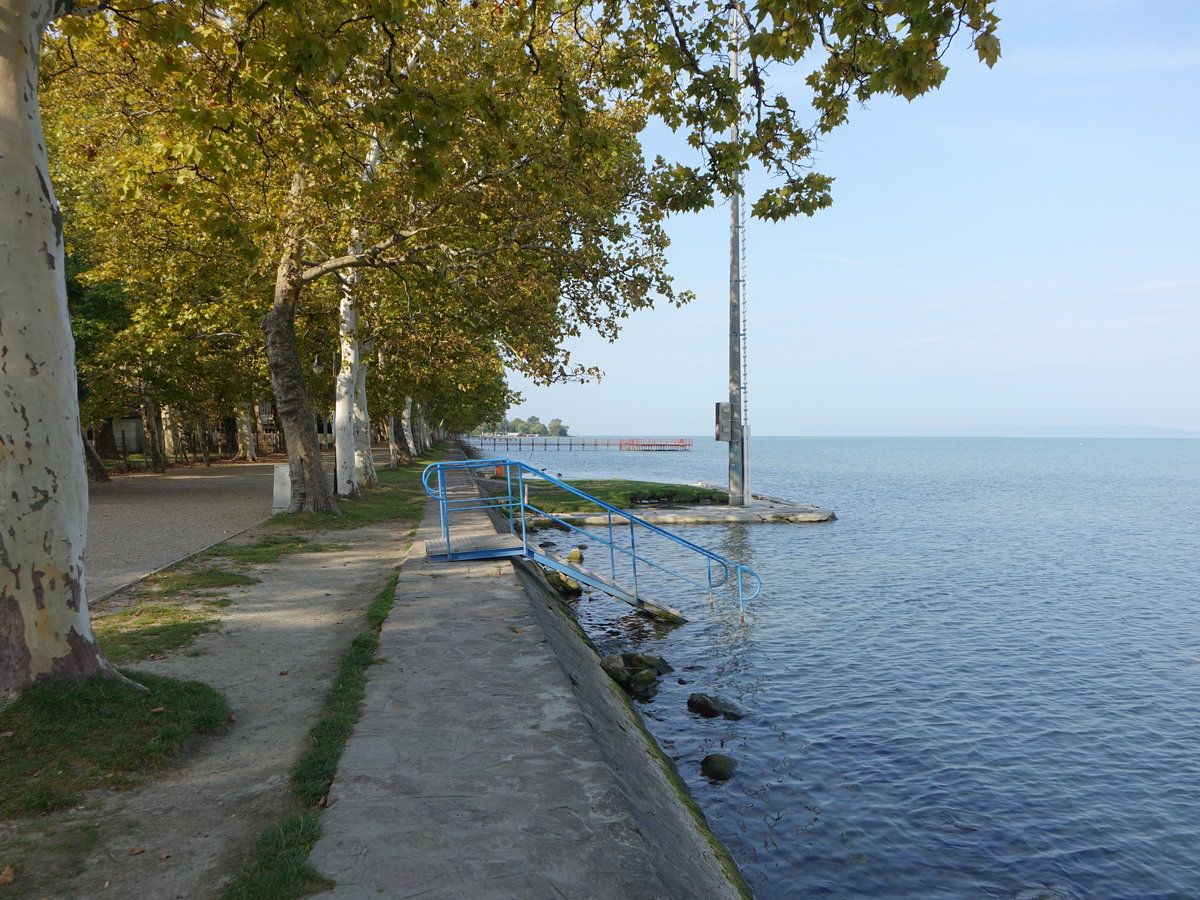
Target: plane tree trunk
point(344, 389)
point(364, 458)
point(311, 491)
point(45, 634)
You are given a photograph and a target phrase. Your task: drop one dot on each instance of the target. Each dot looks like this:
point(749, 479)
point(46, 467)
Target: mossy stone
point(718, 766)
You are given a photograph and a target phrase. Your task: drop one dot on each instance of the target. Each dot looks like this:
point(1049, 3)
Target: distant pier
point(524, 442)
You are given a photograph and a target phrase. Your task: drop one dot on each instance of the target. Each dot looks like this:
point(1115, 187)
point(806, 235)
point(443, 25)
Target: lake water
point(982, 680)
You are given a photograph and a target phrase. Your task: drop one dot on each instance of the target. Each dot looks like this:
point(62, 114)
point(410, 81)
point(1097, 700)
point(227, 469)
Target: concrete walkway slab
point(495, 759)
point(472, 772)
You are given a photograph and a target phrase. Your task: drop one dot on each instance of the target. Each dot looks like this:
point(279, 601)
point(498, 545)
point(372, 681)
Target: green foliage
point(510, 207)
point(61, 740)
point(277, 868)
point(532, 425)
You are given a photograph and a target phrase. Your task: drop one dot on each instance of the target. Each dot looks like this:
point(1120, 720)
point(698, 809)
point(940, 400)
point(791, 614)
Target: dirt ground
point(138, 523)
point(184, 833)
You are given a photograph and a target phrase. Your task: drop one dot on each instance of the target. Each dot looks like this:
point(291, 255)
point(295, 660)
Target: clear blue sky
point(1021, 247)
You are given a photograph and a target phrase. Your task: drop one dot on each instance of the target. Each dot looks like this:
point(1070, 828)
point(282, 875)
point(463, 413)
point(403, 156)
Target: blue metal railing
point(624, 535)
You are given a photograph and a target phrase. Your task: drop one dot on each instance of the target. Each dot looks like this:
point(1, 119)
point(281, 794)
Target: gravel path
point(140, 523)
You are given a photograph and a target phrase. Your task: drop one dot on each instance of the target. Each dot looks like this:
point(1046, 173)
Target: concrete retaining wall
point(689, 858)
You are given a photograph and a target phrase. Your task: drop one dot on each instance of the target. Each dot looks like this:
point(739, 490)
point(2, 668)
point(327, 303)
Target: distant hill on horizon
point(1058, 431)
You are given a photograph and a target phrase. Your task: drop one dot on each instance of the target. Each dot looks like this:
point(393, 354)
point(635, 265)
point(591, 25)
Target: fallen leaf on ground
point(159, 709)
point(284, 672)
point(158, 656)
point(164, 856)
point(135, 851)
point(6, 875)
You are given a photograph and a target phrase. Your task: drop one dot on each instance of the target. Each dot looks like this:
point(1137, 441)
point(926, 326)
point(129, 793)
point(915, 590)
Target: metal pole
point(736, 442)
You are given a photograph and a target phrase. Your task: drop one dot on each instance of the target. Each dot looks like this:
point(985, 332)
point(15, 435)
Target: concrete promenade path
point(472, 772)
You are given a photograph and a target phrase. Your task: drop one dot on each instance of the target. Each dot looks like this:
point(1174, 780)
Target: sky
point(1020, 248)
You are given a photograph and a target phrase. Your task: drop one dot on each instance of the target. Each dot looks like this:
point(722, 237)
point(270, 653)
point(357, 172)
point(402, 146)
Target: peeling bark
point(311, 491)
point(172, 442)
point(397, 455)
point(406, 426)
point(45, 634)
point(344, 391)
point(364, 459)
point(95, 464)
point(247, 446)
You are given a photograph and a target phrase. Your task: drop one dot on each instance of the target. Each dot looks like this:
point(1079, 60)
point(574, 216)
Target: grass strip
point(192, 579)
point(316, 769)
point(621, 493)
point(399, 495)
point(151, 629)
point(277, 867)
point(271, 548)
point(57, 741)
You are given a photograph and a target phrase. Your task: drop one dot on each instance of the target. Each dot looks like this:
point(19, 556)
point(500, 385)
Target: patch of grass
point(278, 866)
point(201, 579)
point(315, 770)
point(45, 858)
point(377, 612)
point(398, 496)
point(271, 548)
point(149, 629)
point(61, 740)
point(621, 493)
point(218, 602)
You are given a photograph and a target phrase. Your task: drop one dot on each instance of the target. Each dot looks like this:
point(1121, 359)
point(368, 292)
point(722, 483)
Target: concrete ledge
point(688, 857)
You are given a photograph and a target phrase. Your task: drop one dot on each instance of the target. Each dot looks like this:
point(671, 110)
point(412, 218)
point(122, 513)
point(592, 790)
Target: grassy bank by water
point(621, 493)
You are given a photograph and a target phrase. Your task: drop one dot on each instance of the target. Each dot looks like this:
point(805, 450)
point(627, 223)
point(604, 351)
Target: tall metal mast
point(738, 469)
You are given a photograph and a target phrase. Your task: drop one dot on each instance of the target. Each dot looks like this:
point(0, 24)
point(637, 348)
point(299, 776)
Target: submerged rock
point(638, 678)
point(568, 587)
point(711, 707)
point(643, 683)
point(614, 668)
point(718, 766)
point(646, 661)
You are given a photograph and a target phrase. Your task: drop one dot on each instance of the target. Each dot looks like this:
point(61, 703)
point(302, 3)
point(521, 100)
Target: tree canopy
point(468, 176)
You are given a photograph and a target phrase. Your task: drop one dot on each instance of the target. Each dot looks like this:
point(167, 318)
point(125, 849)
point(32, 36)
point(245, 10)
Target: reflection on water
point(981, 681)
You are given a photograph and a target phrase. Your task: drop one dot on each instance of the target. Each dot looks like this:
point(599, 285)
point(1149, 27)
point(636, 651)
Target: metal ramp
point(630, 543)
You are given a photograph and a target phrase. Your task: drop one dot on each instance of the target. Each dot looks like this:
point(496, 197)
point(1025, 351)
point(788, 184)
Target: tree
point(668, 56)
point(45, 633)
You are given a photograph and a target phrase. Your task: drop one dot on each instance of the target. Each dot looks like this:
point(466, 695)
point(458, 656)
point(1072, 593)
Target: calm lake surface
point(983, 680)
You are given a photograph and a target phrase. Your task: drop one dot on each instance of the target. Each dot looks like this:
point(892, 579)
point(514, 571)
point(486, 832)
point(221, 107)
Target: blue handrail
point(722, 577)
